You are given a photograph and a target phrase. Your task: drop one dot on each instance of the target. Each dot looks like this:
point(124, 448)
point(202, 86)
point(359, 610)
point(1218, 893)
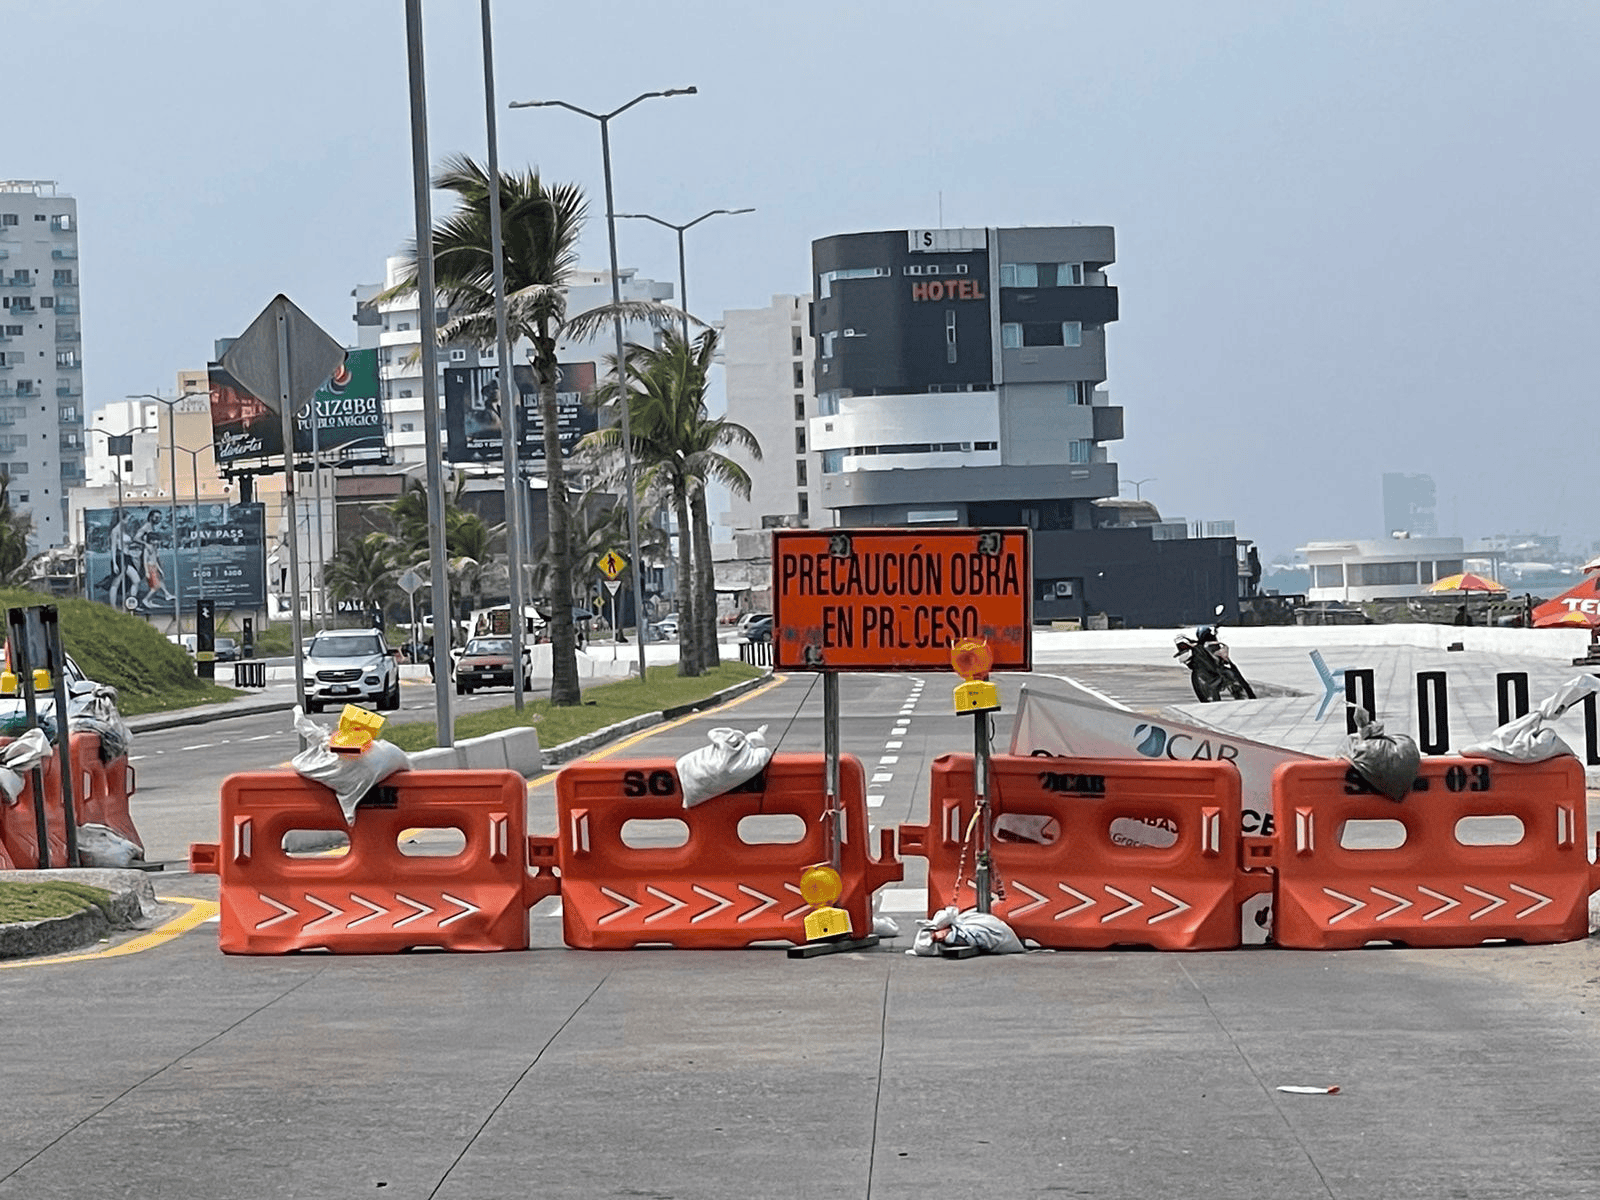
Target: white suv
point(351, 666)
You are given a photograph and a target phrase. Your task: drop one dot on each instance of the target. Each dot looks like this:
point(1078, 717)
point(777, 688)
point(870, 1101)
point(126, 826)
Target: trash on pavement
point(102, 846)
point(1309, 1091)
point(732, 758)
point(1389, 762)
point(985, 931)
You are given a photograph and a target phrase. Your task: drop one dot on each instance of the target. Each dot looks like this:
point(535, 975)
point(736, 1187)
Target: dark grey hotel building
point(958, 378)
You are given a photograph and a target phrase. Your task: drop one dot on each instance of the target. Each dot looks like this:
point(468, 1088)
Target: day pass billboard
point(134, 562)
point(896, 599)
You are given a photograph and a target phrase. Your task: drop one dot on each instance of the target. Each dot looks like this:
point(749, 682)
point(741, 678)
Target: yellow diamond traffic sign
point(611, 564)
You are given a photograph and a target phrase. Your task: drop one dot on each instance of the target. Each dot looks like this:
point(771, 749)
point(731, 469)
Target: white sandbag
point(21, 756)
point(732, 758)
point(948, 927)
point(351, 776)
point(102, 846)
point(1527, 738)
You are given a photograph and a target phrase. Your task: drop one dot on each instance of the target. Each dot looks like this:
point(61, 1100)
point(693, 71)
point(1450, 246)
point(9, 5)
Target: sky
point(1351, 238)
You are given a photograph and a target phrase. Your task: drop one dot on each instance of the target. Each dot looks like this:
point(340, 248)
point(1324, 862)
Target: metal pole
point(199, 543)
point(980, 790)
point(172, 456)
point(318, 595)
point(49, 618)
point(286, 416)
point(830, 765)
point(17, 623)
point(683, 288)
point(622, 388)
point(510, 394)
point(426, 299)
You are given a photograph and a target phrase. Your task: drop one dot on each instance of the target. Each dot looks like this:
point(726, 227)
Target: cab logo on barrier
point(1155, 742)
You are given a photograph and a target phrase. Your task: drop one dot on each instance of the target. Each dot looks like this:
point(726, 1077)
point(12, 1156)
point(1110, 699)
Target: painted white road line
point(203, 746)
point(883, 777)
point(888, 760)
point(892, 745)
point(875, 799)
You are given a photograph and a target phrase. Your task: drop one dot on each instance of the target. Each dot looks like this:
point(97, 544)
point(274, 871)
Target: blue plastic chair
point(1332, 681)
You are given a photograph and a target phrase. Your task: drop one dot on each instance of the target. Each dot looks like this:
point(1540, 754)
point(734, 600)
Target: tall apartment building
point(1409, 505)
point(768, 357)
point(395, 327)
point(41, 354)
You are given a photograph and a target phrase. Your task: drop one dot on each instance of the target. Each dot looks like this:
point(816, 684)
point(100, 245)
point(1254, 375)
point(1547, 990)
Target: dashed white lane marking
point(893, 745)
point(202, 746)
point(888, 760)
point(875, 799)
point(135, 757)
point(883, 777)
point(261, 737)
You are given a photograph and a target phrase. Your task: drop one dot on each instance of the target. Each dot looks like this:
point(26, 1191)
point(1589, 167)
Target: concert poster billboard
point(472, 407)
point(131, 561)
point(351, 426)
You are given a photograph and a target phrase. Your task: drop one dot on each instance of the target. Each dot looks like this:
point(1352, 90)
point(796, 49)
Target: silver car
point(351, 666)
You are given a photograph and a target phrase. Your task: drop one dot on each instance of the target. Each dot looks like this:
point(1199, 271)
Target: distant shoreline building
point(41, 354)
point(1409, 505)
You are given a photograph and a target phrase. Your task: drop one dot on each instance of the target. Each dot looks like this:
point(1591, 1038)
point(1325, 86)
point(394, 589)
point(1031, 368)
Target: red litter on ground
point(1309, 1091)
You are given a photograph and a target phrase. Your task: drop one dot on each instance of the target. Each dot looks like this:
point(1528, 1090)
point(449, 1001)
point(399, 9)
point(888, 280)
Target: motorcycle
point(1211, 670)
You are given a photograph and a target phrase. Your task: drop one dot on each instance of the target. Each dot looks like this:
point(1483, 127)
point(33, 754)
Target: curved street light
point(171, 403)
point(622, 352)
point(683, 275)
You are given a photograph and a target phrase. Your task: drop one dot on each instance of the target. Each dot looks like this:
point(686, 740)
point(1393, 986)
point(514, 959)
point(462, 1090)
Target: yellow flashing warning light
point(8, 682)
point(357, 729)
point(821, 886)
point(972, 658)
point(41, 680)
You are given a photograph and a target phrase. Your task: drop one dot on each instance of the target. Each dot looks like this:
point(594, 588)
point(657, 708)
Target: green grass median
point(603, 704)
point(42, 901)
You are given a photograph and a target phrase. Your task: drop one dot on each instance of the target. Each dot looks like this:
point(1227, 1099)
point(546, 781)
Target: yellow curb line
point(200, 911)
point(635, 739)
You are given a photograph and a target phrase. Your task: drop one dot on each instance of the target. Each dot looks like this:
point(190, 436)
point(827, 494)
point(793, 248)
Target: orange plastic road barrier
point(18, 827)
point(1132, 853)
point(1432, 890)
point(102, 790)
point(715, 890)
point(374, 899)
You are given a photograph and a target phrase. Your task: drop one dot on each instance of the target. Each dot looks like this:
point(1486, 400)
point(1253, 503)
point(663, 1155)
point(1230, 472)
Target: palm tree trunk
point(563, 644)
point(704, 581)
point(689, 658)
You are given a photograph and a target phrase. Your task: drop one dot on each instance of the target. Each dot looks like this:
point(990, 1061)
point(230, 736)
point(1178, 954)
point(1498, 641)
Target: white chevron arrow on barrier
point(467, 909)
point(1130, 906)
point(1400, 903)
point(374, 911)
point(284, 911)
point(673, 904)
point(766, 902)
point(422, 910)
point(1038, 900)
point(1179, 906)
point(1449, 902)
point(1084, 901)
point(1497, 901)
point(627, 902)
point(1355, 905)
point(329, 912)
point(722, 902)
point(1532, 895)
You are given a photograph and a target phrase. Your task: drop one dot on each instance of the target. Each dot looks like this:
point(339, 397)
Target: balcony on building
point(69, 391)
point(64, 253)
point(19, 280)
point(68, 337)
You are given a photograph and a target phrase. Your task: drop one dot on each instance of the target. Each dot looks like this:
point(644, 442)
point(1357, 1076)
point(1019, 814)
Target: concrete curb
point(554, 756)
point(133, 898)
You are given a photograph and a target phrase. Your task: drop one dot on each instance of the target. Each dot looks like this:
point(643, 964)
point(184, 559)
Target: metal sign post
point(980, 787)
point(409, 583)
point(22, 667)
point(611, 586)
point(47, 618)
point(830, 766)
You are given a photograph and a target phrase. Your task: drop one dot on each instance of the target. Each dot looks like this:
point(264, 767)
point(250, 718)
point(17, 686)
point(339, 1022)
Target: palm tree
point(364, 570)
point(679, 443)
point(540, 224)
point(599, 524)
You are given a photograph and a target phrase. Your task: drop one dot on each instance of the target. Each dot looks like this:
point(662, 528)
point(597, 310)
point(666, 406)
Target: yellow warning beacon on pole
point(972, 658)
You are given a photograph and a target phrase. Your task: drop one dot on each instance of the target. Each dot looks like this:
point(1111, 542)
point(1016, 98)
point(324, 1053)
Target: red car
point(486, 662)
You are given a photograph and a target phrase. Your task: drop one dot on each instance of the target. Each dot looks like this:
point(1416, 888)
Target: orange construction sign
point(896, 599)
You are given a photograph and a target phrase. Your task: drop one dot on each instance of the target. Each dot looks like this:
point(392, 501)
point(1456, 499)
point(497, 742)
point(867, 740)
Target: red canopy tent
point(1579, 605)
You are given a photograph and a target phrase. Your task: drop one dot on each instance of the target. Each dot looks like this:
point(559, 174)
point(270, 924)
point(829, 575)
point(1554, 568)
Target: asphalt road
point(184, 1074)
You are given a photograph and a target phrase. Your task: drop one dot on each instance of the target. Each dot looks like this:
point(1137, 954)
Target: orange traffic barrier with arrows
point(102, 789)
point(1479, 850)
point(720, 875)
point(375, 898)
point(18, 827)
point(1093, 853)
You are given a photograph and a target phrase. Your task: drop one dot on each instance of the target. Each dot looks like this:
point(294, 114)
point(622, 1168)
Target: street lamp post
point(199, 542)
point(1137, 485)
point(683, 274)
point(171, 403)
point(622, 353)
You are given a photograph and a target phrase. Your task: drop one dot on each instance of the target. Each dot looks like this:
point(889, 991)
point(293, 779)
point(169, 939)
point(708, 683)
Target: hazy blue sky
point(1352, 238)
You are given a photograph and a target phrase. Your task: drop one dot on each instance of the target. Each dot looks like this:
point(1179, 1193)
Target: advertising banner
point(897, 599)
point(472, 407)
point(351, 425)
point(133, 562)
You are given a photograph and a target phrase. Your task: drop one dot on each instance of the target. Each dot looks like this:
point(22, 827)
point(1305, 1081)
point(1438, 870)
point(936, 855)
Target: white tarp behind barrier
point(1053, 723)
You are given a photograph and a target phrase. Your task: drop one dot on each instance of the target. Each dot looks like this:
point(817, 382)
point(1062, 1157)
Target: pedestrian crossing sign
point(611, 564)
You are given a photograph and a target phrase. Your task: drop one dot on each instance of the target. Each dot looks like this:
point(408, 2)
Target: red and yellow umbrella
point(1466, 582)
point(1572, 618)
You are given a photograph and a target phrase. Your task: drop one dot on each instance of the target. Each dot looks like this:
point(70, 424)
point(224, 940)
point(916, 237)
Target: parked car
point(226, 649)
point(85, 698)
point(759, 630)
point(749, 619)
point(486, 662)
point(351, 666)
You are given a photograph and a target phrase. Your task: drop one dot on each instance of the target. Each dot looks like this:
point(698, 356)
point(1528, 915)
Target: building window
point(799, 408)
point(827, 344)
point(407, 427)
point(1019, 275)
point(799, 343)
point(799, 375)
point(63, 278)
point(9, 219)
point(1010, 336)
point(1080, 451)
point(402, 327)
point(1072, 333)
point(61, 222)
point(13, 331)
point(1032, 275)
point(799, 441)
point(803, 506)
point(69, 412)
point(1446, 567)
point(826, 280)
point(458, 356)
point(1327, 576)
point(832, 462)
point(50, 302)
point(800, 471)
point(1069, 274)
point(950, 335)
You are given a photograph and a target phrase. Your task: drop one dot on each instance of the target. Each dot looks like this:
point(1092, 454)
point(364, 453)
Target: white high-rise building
point(394, 326)
point(41, 354)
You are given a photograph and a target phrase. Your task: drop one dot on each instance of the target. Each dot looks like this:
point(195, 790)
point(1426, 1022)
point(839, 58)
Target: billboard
point(896, 599)
point(350, 427)
point(133, 562)
point(472, 406)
